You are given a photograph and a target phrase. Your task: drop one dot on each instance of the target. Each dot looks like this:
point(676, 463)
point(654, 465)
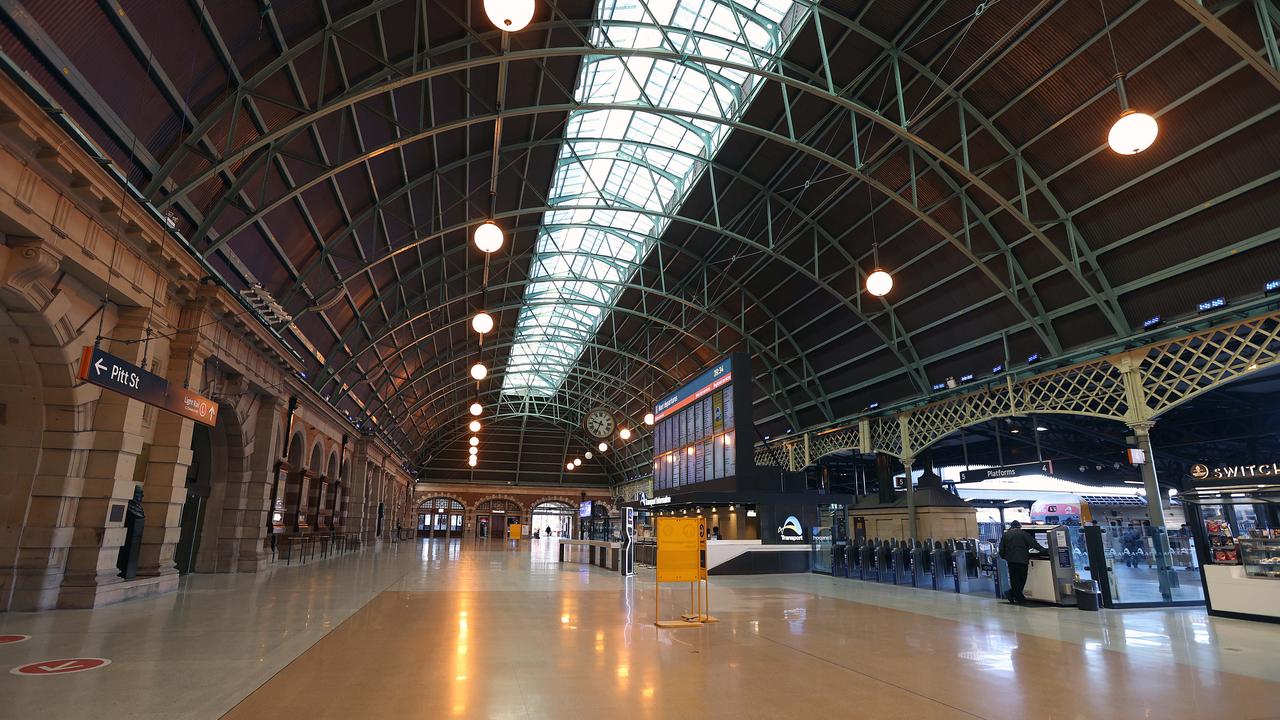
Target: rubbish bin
point(1088, 597)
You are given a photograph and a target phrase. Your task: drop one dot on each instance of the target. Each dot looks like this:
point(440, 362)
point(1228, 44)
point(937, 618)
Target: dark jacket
point(1016, 546)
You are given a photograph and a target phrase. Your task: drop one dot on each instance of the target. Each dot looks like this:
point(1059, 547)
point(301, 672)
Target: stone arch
point(315, 461)
point(499, 496)
point(55, 549)
point(296, 445)
point(220, 542)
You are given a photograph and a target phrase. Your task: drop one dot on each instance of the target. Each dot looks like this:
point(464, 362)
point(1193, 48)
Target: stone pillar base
point(88, 597)
point(32, 589)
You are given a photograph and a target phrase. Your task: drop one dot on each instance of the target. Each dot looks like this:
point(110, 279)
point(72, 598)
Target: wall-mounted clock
point(599, 423)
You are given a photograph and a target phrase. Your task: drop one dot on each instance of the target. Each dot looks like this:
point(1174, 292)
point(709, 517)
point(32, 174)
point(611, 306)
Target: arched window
point(440, 517)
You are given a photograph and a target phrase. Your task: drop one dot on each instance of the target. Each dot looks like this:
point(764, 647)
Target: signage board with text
point(1007, 471)
point(682, 549)
point(112, 373)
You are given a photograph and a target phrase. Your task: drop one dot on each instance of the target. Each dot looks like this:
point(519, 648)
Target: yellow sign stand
point(682, 557)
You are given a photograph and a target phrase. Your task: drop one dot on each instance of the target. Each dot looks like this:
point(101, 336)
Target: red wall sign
point(64, 666)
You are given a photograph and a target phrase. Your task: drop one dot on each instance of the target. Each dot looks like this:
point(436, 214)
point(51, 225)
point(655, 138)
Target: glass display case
point(1222, 545)
point(1260, 557)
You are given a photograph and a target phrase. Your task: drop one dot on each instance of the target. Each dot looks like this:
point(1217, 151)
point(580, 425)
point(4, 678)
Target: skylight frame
point(615, 188)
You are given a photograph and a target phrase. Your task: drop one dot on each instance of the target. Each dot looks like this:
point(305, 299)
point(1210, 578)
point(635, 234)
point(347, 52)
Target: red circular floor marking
point(63, 666)
point(11, 639)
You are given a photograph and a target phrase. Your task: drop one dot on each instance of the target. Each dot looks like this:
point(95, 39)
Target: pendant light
point(648, 418)
point(587, 455)
point(1133, 131)
point(471, 461)
point(488, 237)
point(568, 466)
point(476, 408)
point(479, 371)
point(509, 15)
point(624, 433)
point(475, 441)
point(577, 462)
point(879, 282)
point(473, 451)
point(474, 426)
point(602, 447)
point(482, 322)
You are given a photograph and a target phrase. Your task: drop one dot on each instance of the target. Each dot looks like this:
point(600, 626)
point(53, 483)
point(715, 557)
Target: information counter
point(752, 557)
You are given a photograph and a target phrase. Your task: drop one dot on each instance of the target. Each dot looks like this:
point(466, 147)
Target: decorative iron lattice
point(931, 423)
point(886, 435)
point(1175, 371)
point(825, 443)
point(1159, 377)
point(1094, 388)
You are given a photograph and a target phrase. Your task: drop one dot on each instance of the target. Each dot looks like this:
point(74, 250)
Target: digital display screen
point(694, 431)
point(584, 509)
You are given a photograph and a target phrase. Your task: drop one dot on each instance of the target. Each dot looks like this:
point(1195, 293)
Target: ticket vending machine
point(1051, 575)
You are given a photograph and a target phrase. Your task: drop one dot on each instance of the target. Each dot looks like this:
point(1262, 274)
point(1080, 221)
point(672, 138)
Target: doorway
point(193, 510)
point(553, 514)
point(493, 517)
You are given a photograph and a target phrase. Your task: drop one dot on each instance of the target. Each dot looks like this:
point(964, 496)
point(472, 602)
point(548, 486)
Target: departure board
point(695, 428)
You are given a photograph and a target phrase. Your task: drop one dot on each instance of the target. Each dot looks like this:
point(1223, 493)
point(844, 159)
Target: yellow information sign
point(682, 549)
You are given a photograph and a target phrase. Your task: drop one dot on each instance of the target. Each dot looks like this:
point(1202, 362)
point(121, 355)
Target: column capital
point(1142, 427)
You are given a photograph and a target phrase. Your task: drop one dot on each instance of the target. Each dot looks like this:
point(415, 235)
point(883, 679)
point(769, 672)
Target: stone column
point(357, 487)
point(166, 472)
point(911, 499)
point(250, 511)
point(114, 463)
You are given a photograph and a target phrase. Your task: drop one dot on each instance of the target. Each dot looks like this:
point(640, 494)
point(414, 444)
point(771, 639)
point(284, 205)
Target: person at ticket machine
point(1015, 549)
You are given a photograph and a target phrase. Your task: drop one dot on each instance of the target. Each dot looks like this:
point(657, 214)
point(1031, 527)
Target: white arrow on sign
point(97, 365)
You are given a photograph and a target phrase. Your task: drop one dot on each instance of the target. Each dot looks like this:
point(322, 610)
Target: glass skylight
point(622, 170)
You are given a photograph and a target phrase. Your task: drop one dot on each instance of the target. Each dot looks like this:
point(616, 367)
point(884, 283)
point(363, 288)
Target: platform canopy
point(676, 180)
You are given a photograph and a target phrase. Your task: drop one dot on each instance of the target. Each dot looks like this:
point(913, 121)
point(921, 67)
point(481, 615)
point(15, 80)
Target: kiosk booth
point(1236, 531)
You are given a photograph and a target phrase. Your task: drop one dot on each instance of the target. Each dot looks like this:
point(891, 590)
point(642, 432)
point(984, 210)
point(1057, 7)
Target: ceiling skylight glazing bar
point(619, 158)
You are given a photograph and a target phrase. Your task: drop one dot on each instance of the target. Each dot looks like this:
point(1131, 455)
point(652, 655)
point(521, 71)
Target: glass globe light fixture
point(488, 237)
point(472, 461)
point(475, 441)
point(474, 426)
point(509, 15)
point(482, 322)
point(577, 462)
point(474, 451)
point(478, 371)
point(568, 466)
point(587, 455)
point(624, 433)
point(602, 447)
point(476, 408)
point(1132, 133)
point(879, 283)
point(648, 418)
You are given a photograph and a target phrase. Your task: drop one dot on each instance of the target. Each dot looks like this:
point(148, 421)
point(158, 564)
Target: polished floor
point(467, 630)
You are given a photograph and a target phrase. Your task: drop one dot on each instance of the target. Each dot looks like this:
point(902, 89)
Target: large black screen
point(695, 438)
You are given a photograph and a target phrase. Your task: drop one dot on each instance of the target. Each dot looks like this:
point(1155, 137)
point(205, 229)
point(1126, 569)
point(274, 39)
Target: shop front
point(1236, 531)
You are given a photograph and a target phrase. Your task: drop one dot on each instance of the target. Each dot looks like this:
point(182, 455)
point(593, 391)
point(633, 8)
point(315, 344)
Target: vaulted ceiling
point(678, 180)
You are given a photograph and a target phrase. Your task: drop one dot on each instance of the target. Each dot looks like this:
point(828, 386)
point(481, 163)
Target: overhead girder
point(268, 141)
point(723, 321)
point(567, 404)
point(843, 301)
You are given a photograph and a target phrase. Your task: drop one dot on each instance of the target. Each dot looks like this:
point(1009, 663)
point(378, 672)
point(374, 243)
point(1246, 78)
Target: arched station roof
point(678, 180)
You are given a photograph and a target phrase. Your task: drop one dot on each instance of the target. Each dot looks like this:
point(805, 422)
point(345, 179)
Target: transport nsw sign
point(1008, 471)
point(108, 371)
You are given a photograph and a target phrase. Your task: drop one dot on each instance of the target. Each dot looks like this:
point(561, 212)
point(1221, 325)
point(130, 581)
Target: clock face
point(600, 423)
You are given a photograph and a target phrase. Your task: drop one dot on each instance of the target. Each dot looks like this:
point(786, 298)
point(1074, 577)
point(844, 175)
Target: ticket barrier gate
point(919, 567)
point(839, 558)
point(961, 565)
point(866, 563)
point(884, 565)
point(900, 563)
point(941, 561)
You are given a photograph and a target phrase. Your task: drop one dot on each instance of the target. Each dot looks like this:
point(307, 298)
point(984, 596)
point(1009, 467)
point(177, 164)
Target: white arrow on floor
point(65, 665)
